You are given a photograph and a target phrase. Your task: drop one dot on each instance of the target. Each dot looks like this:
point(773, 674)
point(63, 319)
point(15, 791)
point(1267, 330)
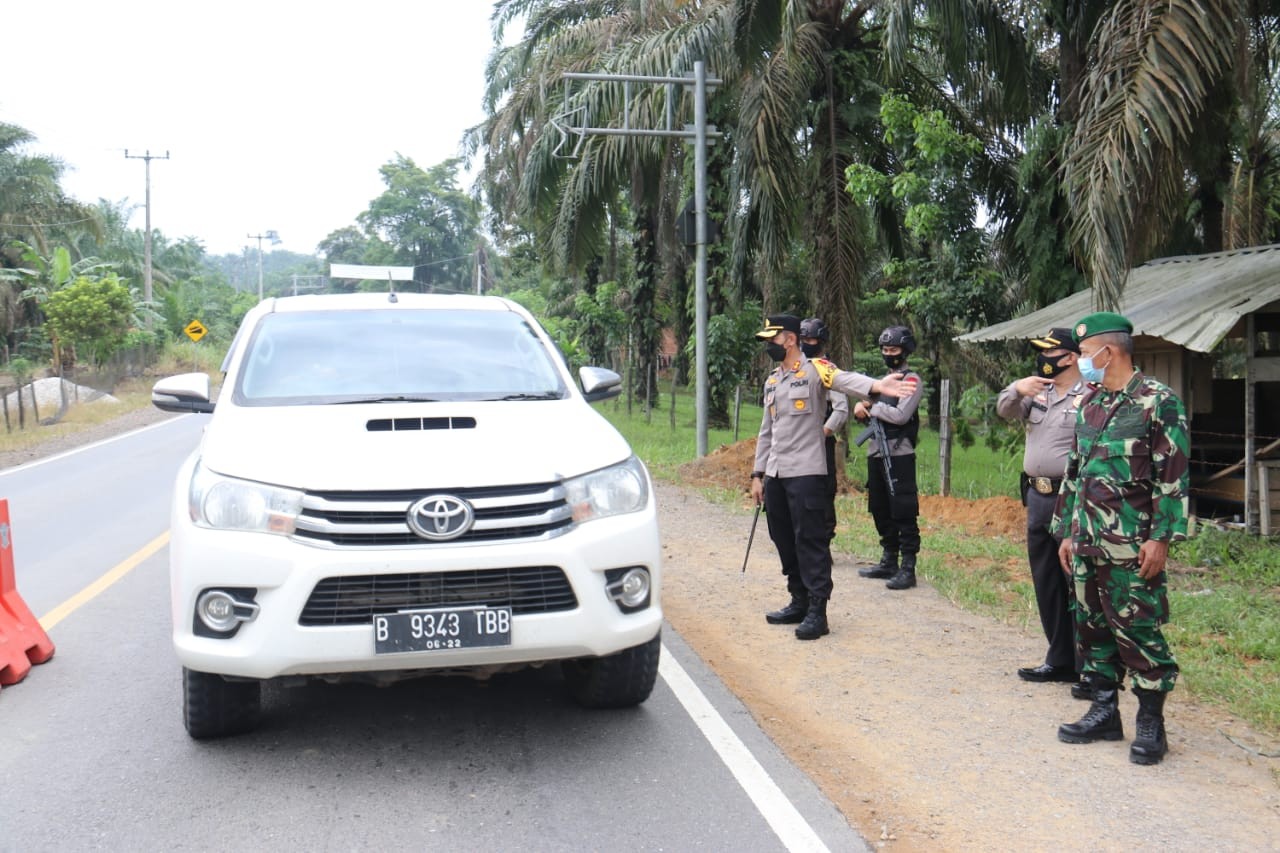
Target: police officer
point(1046, 402)
point(790, 470)
point(813, 343)
point(1123, 500)
point(894, 506)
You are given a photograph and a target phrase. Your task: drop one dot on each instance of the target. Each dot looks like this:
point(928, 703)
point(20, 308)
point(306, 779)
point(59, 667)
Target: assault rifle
point(875, 430)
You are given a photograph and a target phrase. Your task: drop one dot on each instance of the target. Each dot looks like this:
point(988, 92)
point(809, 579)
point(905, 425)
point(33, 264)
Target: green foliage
point(423, 219)
point(732, 349)
point(975, 415)
point(90, 314)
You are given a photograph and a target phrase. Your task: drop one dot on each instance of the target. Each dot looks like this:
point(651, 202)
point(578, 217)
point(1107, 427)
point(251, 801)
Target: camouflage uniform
point(1126, 483)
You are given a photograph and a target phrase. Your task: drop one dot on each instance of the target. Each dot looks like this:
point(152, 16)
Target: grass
point(1224, 586)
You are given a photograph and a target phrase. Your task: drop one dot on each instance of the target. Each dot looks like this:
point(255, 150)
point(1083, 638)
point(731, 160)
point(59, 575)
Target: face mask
point(894, 361)
point(1050, 367)
point(811, 350)
point(1089, 373)
point(777, 352)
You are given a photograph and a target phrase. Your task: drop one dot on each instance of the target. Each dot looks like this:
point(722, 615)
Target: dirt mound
point(729, 467)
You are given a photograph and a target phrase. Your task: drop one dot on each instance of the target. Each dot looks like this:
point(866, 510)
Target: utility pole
point(274, 238)
point(146, 271)
point(698, 135)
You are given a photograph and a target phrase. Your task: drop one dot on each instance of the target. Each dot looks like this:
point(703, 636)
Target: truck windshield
point(300, 358)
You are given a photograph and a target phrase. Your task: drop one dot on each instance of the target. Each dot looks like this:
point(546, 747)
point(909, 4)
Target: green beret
point(1099, 324)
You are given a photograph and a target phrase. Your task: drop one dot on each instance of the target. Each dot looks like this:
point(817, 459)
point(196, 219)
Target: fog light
point(635, 588)
point(221, 611)
point(629, 587)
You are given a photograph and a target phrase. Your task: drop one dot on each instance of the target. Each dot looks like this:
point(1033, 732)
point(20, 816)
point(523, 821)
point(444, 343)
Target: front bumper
point(284, 573)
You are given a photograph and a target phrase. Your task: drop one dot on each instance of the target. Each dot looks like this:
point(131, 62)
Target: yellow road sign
point(195, 330)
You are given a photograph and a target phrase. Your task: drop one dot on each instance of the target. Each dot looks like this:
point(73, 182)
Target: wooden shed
point(1183, 309)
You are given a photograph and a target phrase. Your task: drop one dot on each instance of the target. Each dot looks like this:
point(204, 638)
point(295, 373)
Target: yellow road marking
point(84, 596)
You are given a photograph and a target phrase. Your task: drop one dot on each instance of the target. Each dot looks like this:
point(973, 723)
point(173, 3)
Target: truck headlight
point(615, 490)
point(226, 503)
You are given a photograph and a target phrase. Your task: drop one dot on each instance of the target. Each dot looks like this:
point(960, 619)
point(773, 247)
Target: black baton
point(751, 536)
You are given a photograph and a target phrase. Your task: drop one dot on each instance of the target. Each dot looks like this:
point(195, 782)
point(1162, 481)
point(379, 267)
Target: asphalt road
point(93, 754)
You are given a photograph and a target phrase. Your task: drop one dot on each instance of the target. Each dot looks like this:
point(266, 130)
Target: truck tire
point(214, 707)
point(619, 680)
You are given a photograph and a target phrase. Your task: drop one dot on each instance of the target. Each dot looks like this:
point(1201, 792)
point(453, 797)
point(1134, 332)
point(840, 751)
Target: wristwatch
point(757, 475)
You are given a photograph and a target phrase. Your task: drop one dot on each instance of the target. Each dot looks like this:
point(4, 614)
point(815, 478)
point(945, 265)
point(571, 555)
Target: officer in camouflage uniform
point(1123, 500)
point(790, 472)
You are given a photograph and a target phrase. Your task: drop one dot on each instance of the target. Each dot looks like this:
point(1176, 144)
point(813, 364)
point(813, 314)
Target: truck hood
point(348, 447)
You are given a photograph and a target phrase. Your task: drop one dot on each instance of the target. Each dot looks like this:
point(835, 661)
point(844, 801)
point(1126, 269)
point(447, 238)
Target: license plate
point(446, 628)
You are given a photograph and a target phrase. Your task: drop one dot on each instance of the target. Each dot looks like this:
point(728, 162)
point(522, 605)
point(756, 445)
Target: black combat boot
point(886, 568)
point(906, 576)
point(793, 613)
point(1101, 721)
point(1149, 744)
point(815, 621)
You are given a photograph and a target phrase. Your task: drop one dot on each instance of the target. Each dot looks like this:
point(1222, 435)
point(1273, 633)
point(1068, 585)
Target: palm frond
point(1156, 61)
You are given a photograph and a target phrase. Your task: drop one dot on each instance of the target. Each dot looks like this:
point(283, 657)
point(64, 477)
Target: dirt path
point(911, 718)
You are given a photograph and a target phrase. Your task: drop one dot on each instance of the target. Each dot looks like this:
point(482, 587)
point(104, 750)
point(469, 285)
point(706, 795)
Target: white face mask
point(1088, 372)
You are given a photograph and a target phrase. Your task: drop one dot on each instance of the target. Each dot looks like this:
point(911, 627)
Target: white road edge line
point(787, 823)
point(33, 463)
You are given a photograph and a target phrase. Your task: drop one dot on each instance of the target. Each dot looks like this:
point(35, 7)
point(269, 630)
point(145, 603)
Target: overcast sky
point(276, 115)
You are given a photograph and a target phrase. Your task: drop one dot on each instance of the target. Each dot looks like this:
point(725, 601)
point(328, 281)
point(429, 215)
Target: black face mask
point(811, 350)
point(1050, 367)
point(893, 362)
point(777, 352)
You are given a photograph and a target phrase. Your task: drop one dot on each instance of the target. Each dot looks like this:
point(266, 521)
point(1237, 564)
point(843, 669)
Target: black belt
point(1043, 485)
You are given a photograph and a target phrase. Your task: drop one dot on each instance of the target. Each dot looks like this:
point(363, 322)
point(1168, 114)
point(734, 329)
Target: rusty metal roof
point(1192, 301)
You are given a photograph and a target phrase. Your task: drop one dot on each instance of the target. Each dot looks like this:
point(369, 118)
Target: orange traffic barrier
point(22, 641)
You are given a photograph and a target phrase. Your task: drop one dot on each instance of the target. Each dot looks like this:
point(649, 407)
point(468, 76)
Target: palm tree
point(1157, 74)
point(573, 194)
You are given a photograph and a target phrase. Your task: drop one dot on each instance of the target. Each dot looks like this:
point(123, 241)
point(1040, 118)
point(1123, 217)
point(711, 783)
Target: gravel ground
point(911, 718)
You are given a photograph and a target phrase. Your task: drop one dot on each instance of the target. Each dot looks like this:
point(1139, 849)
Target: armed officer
point(790, 470)
point(1046, 402)
point(891, 489)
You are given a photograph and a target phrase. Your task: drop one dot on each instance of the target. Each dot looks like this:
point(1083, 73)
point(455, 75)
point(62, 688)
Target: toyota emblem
point(440, 517)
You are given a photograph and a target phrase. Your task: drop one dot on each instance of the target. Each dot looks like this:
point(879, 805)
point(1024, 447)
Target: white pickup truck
point(393, 485)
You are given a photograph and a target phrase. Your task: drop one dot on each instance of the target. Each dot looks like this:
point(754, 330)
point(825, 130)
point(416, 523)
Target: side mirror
point(187, 392)
point(599, 384)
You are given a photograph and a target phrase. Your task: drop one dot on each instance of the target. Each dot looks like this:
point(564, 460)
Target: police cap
point(775, 323)
point(1058, 338)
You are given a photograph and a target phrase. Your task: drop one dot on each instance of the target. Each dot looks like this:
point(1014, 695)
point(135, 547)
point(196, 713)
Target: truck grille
point(354, 600)
point(379, 519)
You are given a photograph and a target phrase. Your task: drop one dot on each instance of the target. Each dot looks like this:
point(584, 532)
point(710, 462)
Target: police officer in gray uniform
point(1046, 402)
point(892, 497)
point(790, 470)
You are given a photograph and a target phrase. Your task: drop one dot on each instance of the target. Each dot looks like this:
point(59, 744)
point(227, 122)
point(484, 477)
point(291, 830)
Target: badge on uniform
point(799, 404)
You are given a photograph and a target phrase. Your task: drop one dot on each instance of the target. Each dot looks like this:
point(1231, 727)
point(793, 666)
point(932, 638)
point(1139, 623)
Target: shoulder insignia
point(773, 380)
point(826, 370)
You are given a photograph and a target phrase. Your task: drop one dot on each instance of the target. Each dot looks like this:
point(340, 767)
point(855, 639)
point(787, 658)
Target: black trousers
point(796, 511)
point(1054, 592)
point(895, 515)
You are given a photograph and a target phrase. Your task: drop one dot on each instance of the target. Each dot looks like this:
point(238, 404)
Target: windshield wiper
point(545, 395)
point(389, 398)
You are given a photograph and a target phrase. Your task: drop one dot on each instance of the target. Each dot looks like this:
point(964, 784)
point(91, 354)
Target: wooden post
point(737, 410)
point(944, 437)
point(1250, 422)
point(673, 395)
